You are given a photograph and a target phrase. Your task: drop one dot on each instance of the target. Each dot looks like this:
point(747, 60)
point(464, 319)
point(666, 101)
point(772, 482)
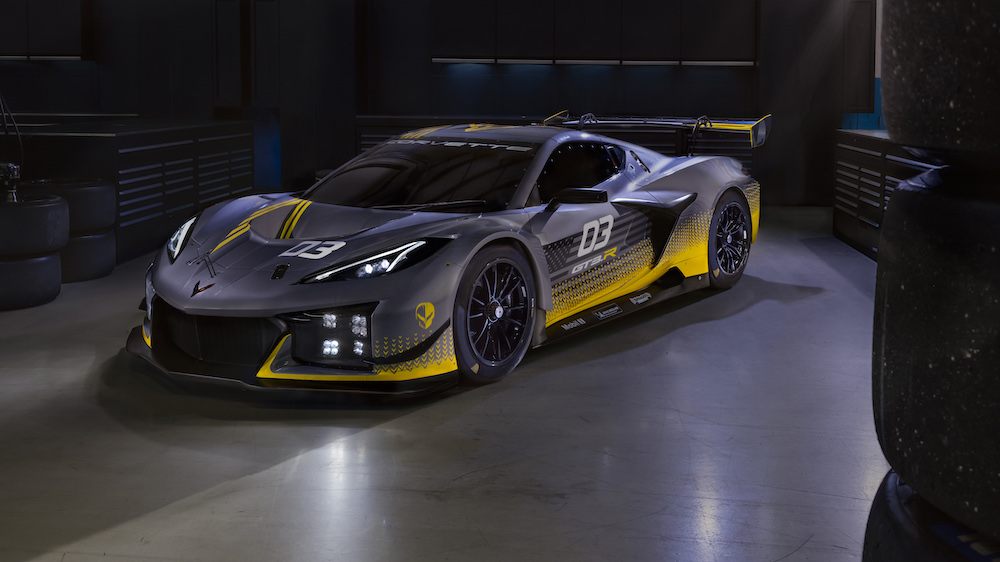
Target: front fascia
point(401, 321)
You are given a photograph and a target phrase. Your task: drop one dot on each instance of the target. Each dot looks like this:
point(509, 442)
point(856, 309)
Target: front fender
point(469, 244)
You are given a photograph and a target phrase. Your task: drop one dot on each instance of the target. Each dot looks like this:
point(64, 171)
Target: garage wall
point(801, 82)
point(155, 58)
point(413, 47)
point(287, 66)
point(447, 57)
point(302, 70)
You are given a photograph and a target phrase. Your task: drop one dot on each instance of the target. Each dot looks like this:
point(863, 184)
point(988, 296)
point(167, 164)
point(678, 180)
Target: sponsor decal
point(459, 144)
point(639, 299)
point(199, 289)
point(592, 262)
point(608, 312)
point(574, 324)
point(425, 314)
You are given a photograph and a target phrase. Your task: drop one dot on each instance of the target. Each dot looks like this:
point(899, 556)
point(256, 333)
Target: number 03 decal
point(312, 249)
point(596, 235)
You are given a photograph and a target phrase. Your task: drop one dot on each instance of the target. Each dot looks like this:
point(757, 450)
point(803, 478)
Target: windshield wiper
point(435, 205)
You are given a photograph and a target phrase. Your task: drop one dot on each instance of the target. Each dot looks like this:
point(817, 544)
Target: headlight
point(335, 337)
point(180, 238)
point(382, 263)
point(150, 293)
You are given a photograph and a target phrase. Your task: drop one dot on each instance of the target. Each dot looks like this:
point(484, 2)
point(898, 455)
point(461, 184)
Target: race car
point(442, 255)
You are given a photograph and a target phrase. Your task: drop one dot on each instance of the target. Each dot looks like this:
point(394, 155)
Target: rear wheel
point(728, 241)
point(494, 314)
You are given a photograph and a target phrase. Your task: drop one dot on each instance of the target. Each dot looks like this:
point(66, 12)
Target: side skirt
point(620, 306)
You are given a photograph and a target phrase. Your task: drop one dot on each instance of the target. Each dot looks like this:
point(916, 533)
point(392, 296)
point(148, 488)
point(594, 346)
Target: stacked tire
point(32, 231)
point(90, 250)
point(936, 344)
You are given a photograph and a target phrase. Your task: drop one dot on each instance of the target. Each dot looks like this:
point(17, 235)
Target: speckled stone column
point(936, 349)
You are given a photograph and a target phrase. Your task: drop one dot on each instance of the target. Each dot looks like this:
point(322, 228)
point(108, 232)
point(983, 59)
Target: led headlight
point(150, 292)
point(147, 322)
point(378, 264)
point(180, 238)
point(336, 337)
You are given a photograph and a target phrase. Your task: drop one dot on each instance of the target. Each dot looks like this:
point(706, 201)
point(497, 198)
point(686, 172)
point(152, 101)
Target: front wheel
point(728, 241)
point(494, 314)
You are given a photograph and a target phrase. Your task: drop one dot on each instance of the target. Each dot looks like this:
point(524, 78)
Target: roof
point(534, 134)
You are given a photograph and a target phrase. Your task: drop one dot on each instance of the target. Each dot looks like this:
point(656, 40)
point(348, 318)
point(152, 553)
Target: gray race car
point(442, 255)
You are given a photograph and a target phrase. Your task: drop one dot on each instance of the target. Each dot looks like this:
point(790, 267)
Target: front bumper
point(280, 372)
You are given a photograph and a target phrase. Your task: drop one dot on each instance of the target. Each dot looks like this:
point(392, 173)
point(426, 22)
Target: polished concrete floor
point(731, 426)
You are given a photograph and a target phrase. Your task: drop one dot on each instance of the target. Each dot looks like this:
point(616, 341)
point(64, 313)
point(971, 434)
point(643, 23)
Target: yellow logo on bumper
point(425, 314)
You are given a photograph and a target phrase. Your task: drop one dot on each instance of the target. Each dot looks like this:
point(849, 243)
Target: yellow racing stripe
point(244, 225)
point(266, 210)
point(293, 219)
point(239, 230)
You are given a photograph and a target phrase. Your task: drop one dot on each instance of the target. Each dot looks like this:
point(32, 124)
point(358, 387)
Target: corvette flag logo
point(425, 314)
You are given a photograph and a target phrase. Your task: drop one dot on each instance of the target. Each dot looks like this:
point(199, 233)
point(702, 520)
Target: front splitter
point(137, 347)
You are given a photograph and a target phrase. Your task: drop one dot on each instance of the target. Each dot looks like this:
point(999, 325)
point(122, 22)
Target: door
point(591, 248)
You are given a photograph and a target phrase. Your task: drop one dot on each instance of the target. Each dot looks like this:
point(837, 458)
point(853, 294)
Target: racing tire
point(29, 282)
point(35, 225)
point(92, 202)
point(88, 256)
point(903, 526)
point(728, 240)
point(936, 340)
point(494, 314)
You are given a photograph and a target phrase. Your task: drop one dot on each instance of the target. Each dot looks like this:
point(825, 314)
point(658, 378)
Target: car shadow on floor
point(651, 324)
point(129, 388)
point(137, 442)
point(844, 260)
point(131, 443)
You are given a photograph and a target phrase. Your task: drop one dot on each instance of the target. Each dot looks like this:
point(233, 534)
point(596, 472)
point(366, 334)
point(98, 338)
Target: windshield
point(442, 175)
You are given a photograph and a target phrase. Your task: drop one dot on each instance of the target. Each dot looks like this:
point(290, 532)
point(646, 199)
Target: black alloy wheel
point(494, 314)
point(498, 312)
point(732, 241)
point(729, 241)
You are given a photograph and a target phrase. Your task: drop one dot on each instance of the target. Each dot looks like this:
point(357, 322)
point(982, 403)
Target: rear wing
point(755, 131)
point(678, 136)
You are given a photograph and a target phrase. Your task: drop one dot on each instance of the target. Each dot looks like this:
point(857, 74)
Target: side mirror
point(577, 195)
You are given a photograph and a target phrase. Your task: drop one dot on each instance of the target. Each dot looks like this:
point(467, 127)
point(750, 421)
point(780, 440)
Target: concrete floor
point(733, 426)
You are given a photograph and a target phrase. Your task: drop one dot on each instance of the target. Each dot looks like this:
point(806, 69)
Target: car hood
point(247, 252)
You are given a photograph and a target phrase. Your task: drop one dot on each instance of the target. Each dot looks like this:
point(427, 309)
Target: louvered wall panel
point(164, 172)
point(224, 167)
point(142, 199)
point(167, 175)
point(868, 168)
